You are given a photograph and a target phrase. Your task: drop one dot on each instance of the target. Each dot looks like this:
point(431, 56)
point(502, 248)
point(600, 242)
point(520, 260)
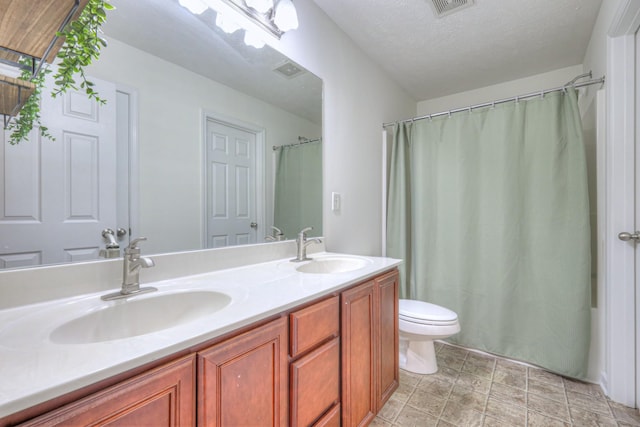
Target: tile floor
point(472, 389)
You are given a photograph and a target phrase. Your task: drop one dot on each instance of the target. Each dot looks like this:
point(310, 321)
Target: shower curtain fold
point(490, 212)
point(298, 189)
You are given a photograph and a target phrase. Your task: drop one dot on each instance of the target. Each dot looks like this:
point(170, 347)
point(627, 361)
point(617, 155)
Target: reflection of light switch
point(335, 201)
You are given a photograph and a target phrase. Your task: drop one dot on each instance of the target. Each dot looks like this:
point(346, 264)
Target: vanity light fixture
point(285, 16)
point(262, 6)
point(227, 24)
point(194, 6)
point(254, 16)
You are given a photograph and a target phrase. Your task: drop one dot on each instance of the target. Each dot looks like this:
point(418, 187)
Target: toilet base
point(420, 357)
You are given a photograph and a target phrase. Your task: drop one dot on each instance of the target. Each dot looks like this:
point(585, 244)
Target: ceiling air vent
point(289, 70)
point(446, 7)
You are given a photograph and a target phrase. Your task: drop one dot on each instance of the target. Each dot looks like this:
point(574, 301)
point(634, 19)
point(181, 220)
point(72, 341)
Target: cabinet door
point(164, 396)
point(358, 355)
point(244, 381)
point(387, 363)
point(315, 384)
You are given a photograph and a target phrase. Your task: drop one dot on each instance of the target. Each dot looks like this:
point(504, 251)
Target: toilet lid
point(421, 310)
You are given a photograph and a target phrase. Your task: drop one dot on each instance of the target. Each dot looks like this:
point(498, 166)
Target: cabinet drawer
point(312, 325)
point(330, 419)
point(315, 383)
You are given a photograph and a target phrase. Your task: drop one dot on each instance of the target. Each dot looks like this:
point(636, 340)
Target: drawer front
point(314, 324)
point(315, 383)
point(330, 419)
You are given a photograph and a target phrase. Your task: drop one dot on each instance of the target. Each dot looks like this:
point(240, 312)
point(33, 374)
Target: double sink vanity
point(249, 338)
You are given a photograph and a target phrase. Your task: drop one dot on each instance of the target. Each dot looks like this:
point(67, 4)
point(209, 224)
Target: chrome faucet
point(276, 236)
point(303, 242)
point(133, 262)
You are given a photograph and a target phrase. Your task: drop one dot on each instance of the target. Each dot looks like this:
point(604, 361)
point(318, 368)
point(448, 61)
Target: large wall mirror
point(182, 153)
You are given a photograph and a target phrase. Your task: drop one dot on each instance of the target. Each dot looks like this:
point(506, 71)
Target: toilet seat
point(426, 313)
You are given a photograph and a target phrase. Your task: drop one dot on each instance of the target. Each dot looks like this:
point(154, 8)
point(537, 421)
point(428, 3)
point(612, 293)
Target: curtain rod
point(502, 101)
point(306, 141)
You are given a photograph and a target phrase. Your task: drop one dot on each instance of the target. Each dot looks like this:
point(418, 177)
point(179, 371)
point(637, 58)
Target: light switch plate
point(335, 201)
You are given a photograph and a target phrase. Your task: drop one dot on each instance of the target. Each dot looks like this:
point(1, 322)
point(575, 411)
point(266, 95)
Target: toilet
point(420, 323)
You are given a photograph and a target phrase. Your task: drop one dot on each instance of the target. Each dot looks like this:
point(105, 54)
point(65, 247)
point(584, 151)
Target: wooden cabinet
point(164, 396)
point(370, 367)
point(315, 370)
point(244, 381)
point(387, 365)
point(331, 363)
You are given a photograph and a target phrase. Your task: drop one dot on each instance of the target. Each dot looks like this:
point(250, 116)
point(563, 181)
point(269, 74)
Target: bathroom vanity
point(290, 348)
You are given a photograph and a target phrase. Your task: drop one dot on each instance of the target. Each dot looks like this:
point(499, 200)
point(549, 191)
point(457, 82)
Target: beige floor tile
point(391, 409)
point(546, 390)
point(582, 417)
point(446, 373)
point(436, 386)
point(443, 423)
point(510, 378)
point(589, 403)
point(625, 414)
point(461, 415)
point(458, 352)
point(494, 422)
point(538, 420)
point(481, 369)
point(510, 414)
point(450, 361)
point(379, 422)
point(593, 390)
point(468, 398)
point(511, 395)
point(473, 382)
point(508, 365)
point(548, 377)
point(547, 406)
point(427, 402)
point(403, 393)
point(409, 378)
point(438, 345)
point(411, 417)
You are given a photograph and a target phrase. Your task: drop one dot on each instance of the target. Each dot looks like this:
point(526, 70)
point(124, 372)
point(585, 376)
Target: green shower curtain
point(298, 189)
point(490, 212)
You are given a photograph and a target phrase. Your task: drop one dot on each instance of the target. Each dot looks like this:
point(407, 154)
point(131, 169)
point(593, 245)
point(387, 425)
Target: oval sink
point(332, 265)
point(133, 317)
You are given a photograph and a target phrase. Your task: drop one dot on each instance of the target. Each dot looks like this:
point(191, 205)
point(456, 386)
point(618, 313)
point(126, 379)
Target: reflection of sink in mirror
point(130, 318)
point(333, 265)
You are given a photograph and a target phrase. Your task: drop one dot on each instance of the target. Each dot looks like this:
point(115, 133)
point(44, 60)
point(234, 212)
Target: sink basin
point(133, 317)
point(332, 265)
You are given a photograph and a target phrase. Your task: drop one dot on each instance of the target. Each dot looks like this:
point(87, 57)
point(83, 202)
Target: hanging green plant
point(82, 45)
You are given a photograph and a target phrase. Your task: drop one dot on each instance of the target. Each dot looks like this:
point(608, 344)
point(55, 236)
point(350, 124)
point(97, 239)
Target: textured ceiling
point(491, 42)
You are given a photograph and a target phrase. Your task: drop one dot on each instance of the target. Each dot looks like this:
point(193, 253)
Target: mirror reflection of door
point(58, 196)
point(230, 185)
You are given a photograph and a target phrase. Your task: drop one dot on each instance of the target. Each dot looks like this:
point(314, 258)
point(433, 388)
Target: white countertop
point(33, 369)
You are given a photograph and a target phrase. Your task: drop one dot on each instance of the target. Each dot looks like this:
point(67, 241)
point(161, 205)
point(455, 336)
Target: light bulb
point(286, 17)
point(227, 25)
point(194, 6)
point(253, 39)
point(261, 6)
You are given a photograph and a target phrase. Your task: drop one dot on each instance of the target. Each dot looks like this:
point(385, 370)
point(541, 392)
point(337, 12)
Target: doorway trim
point(261, 139)
point(619, 376)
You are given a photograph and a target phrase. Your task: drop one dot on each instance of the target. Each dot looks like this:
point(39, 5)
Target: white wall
point(523, 86)
point(170, 141)
point(358, 98)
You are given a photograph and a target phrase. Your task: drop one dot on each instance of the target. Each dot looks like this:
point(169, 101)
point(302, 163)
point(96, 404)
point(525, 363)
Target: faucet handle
point(304, 230)
point(134, 243)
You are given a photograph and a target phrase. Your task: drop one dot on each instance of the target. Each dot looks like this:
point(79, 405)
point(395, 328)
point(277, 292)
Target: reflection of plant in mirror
point(82, 44)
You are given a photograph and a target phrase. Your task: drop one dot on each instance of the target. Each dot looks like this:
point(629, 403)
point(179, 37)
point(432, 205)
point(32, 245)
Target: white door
point(56, 197)
point(230, 185)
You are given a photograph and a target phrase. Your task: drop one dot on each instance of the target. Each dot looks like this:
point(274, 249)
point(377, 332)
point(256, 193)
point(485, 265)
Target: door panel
point(231, 185)
point(56, 197)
